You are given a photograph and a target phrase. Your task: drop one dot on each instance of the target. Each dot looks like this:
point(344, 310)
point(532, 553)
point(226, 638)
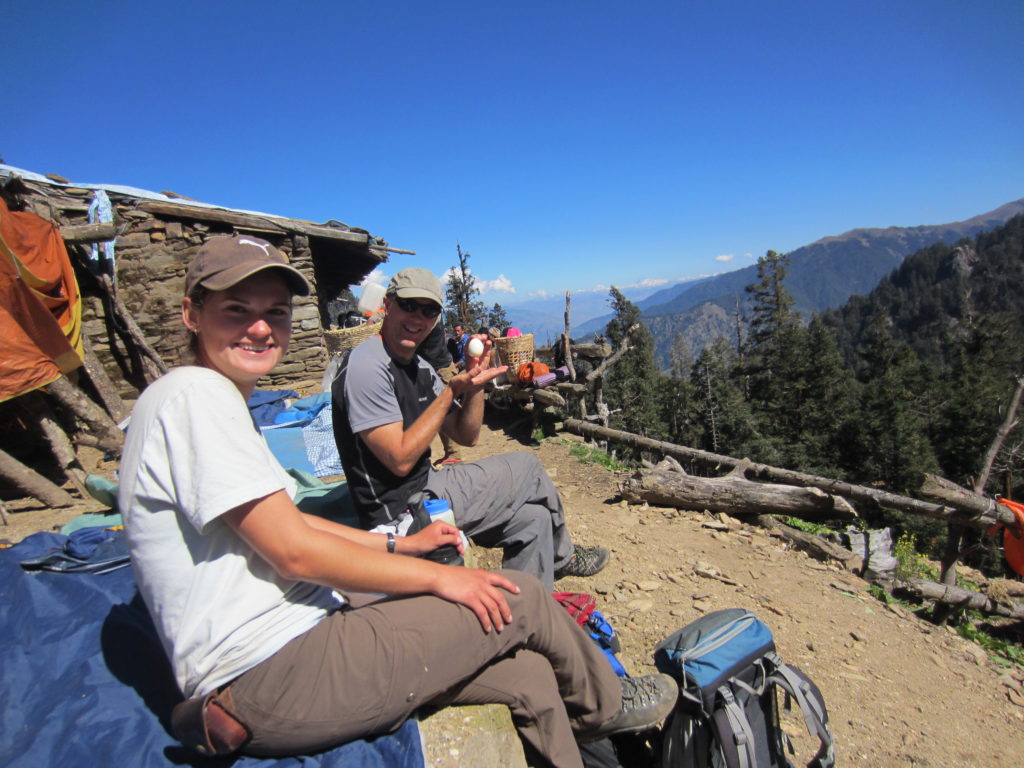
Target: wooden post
point(89, 233)
point(565, 341)
point(32, 483)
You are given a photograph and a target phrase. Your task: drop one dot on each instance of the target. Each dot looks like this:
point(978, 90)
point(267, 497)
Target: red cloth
point(1013, 537)
point(40, 309)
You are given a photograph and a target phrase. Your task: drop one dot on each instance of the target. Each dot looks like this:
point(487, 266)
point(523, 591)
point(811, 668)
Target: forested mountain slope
point(820, 276)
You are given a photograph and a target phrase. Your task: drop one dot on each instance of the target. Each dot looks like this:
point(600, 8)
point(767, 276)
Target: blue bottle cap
point(436, 506)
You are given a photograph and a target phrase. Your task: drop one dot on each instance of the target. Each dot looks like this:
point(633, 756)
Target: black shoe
point(646, 701)
point(585, 561)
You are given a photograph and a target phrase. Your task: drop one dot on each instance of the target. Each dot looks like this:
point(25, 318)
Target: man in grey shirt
point(389, 404)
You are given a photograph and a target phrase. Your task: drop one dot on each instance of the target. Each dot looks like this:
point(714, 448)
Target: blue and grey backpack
point(728, 712)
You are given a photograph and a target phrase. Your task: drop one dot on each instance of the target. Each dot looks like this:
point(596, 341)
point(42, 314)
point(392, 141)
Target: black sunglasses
point(429, 311)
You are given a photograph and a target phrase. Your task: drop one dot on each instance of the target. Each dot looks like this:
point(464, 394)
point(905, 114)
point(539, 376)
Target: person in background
point(457, 345)
point(388, 404)
point(436, 351)
point(250, 596)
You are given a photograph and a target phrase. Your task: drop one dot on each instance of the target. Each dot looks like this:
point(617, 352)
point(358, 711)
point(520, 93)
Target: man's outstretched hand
point(476, 372)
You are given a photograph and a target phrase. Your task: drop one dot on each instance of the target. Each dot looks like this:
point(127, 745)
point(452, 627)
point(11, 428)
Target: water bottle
point(440, 509)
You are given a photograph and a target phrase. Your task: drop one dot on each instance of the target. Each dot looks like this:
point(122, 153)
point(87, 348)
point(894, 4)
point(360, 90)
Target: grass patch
point(1004, 651)
point(805, 525)
point(587, 455)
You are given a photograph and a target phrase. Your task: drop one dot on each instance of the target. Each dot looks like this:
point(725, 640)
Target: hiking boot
point(585, 561)
point(646, 700)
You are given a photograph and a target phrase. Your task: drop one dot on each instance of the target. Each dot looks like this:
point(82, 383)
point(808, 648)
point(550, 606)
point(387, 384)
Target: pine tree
point(496, 317)
point(890, 445)
point(461, 292)
point(721, 420)
point(631, 385)
point(776, 371)
point(829, 402)
point(680, 358)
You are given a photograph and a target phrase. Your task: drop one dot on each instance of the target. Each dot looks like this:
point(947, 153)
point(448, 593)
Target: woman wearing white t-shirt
point(247, 591)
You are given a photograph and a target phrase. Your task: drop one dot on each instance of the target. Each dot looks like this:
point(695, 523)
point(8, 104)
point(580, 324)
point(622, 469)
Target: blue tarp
point(302, 436)
point(85, 682)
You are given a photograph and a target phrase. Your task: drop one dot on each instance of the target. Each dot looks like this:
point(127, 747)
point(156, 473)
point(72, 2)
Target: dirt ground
point(900, 691)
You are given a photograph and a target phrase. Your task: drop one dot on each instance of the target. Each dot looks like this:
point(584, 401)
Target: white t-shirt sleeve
point(211, 456)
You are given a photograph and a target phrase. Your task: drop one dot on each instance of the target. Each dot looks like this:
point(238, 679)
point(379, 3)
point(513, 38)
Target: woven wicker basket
point(515, 351)
point(344, 339)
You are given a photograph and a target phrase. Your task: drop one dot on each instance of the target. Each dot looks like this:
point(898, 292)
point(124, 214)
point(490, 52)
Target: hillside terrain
point(900, 691)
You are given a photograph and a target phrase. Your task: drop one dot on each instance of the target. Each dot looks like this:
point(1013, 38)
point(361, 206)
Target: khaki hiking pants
point(364, 670)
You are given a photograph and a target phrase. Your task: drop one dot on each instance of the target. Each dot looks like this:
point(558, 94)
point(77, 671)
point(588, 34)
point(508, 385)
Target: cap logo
point(262, 246)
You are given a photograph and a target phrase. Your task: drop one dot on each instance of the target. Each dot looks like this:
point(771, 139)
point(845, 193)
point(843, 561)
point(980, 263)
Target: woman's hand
point(437, 534)
point(480, 591)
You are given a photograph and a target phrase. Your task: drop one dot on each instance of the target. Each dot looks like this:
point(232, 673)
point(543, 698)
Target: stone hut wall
point(154, 244)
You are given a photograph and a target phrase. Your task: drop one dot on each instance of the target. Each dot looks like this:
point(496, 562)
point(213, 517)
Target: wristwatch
point(391, 543)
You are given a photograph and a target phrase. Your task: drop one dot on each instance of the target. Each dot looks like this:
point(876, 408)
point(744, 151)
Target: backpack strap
point(734, 732)
point(812, 706)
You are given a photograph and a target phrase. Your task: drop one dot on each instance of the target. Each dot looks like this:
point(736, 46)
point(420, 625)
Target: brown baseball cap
point(227, 260)
point(416, 283)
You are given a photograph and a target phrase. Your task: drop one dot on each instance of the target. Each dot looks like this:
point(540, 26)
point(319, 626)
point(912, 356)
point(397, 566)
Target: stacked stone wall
point(152, 257)
point(152, 253)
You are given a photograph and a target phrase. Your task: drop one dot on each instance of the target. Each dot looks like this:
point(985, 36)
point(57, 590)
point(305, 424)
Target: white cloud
point(541, 294)
point(375, 278)
point(725, 257)
point(500, 283)
point(748, 255)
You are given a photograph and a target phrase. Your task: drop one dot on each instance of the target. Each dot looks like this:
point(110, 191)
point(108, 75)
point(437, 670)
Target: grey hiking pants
point(364, 670)
point(508, 501)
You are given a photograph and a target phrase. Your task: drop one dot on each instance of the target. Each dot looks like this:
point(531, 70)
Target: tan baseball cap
point(416, 283)
point(227, 260)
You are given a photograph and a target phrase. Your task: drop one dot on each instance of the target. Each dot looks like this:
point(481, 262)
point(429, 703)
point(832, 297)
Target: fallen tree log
point(734, 495)
point(765, 471)
point(815, 546)
point(107, 435)
point(957, 597)
point(31, 483)
point(59, 443)
point(102, 382)
point(154, 363)
point(945, 491)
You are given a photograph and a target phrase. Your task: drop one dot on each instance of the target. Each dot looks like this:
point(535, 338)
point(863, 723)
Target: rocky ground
point(900, 691)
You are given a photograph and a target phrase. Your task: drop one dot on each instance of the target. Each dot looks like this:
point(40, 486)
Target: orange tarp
point(40, 308)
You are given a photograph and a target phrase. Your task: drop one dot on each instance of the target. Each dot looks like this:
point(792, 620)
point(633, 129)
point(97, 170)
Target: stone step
point(471, 737)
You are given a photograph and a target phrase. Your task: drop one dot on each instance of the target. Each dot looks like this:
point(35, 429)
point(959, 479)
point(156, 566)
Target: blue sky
point(565, 145)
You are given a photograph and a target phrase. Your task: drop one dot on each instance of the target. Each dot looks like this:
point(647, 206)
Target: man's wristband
point(391, 543)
